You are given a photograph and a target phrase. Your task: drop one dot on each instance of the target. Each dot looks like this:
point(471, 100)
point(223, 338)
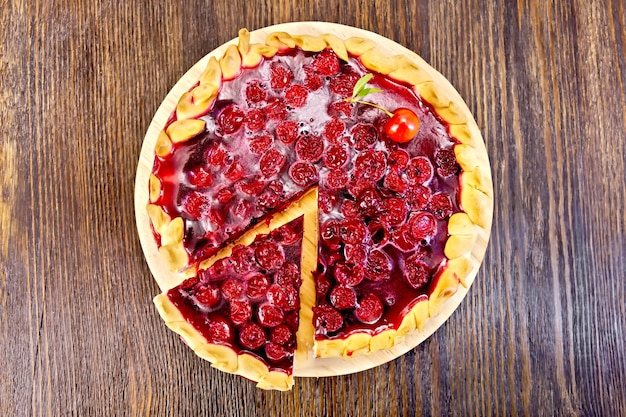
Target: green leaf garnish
point(360, 85)
point(361, 91)
point(367, 91)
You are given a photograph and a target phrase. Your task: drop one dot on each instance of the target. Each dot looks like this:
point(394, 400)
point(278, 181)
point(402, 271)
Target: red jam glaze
point(250, 300)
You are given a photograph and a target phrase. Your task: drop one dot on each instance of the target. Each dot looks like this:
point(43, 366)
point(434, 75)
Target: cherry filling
point(383, 215)
point(279, 129)
point(250, 300)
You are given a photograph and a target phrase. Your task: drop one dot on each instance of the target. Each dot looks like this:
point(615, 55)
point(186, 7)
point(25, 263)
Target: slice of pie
point(400, 173)
point(241, 313)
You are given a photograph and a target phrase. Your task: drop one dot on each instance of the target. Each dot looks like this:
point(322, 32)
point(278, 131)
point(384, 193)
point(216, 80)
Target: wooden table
point(543, 328)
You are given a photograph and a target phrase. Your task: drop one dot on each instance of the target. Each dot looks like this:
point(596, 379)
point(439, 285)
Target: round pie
point(312, 197)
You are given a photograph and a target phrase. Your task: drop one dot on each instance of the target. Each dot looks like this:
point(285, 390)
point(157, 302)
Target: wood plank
point(540, 333)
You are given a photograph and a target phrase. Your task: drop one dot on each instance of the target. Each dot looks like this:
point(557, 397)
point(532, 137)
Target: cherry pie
point(313, 193)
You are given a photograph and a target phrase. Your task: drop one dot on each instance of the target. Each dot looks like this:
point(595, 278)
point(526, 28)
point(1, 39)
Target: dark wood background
point(543, 329)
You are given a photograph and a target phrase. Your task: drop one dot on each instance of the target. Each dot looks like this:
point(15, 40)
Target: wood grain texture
point(541, 332)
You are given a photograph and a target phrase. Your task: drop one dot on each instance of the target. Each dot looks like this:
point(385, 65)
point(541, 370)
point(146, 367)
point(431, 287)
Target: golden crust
point(182, 130)
point(378, 62)
point(230, 63)
point(463, 134)
point(409, 73)
point(357, 344)
point(172, 233)
point(443, 287)
point(281, 40)
point(275, 380)
point(310, 43)
point(457, 246)
point(212, 74)
point(256, 53)
point(175, 256)
point(253, 54)
point(337, 45)
point(407, 326)
point(243, 42)
point(466, 156)
point(453, 113)
point(358, 46)
point(479, 179)
point(196, 102)
point(383, 340)
point(463, 235)
point(163, 145)
point(158, 217)
point(462, 267)
point(477, 204)
point(434, 96)
point(460, 224)
point(155, 188)
point(221, 357)
point(329, 348)
point(421, 313)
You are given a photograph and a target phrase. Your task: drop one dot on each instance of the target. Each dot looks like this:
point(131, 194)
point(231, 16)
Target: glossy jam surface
point(279, 129)
point(250, 300)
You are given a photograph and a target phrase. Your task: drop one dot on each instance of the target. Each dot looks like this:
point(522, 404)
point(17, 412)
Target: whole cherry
point(402, 126)
point(403, 123)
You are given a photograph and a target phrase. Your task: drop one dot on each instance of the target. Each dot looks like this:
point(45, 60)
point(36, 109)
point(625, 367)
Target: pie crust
point(468, 230)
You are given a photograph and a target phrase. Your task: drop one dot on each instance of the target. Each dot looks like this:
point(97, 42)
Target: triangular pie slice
point(241, 313)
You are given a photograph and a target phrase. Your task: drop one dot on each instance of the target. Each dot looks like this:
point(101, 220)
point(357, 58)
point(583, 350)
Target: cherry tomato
point(402, 126)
